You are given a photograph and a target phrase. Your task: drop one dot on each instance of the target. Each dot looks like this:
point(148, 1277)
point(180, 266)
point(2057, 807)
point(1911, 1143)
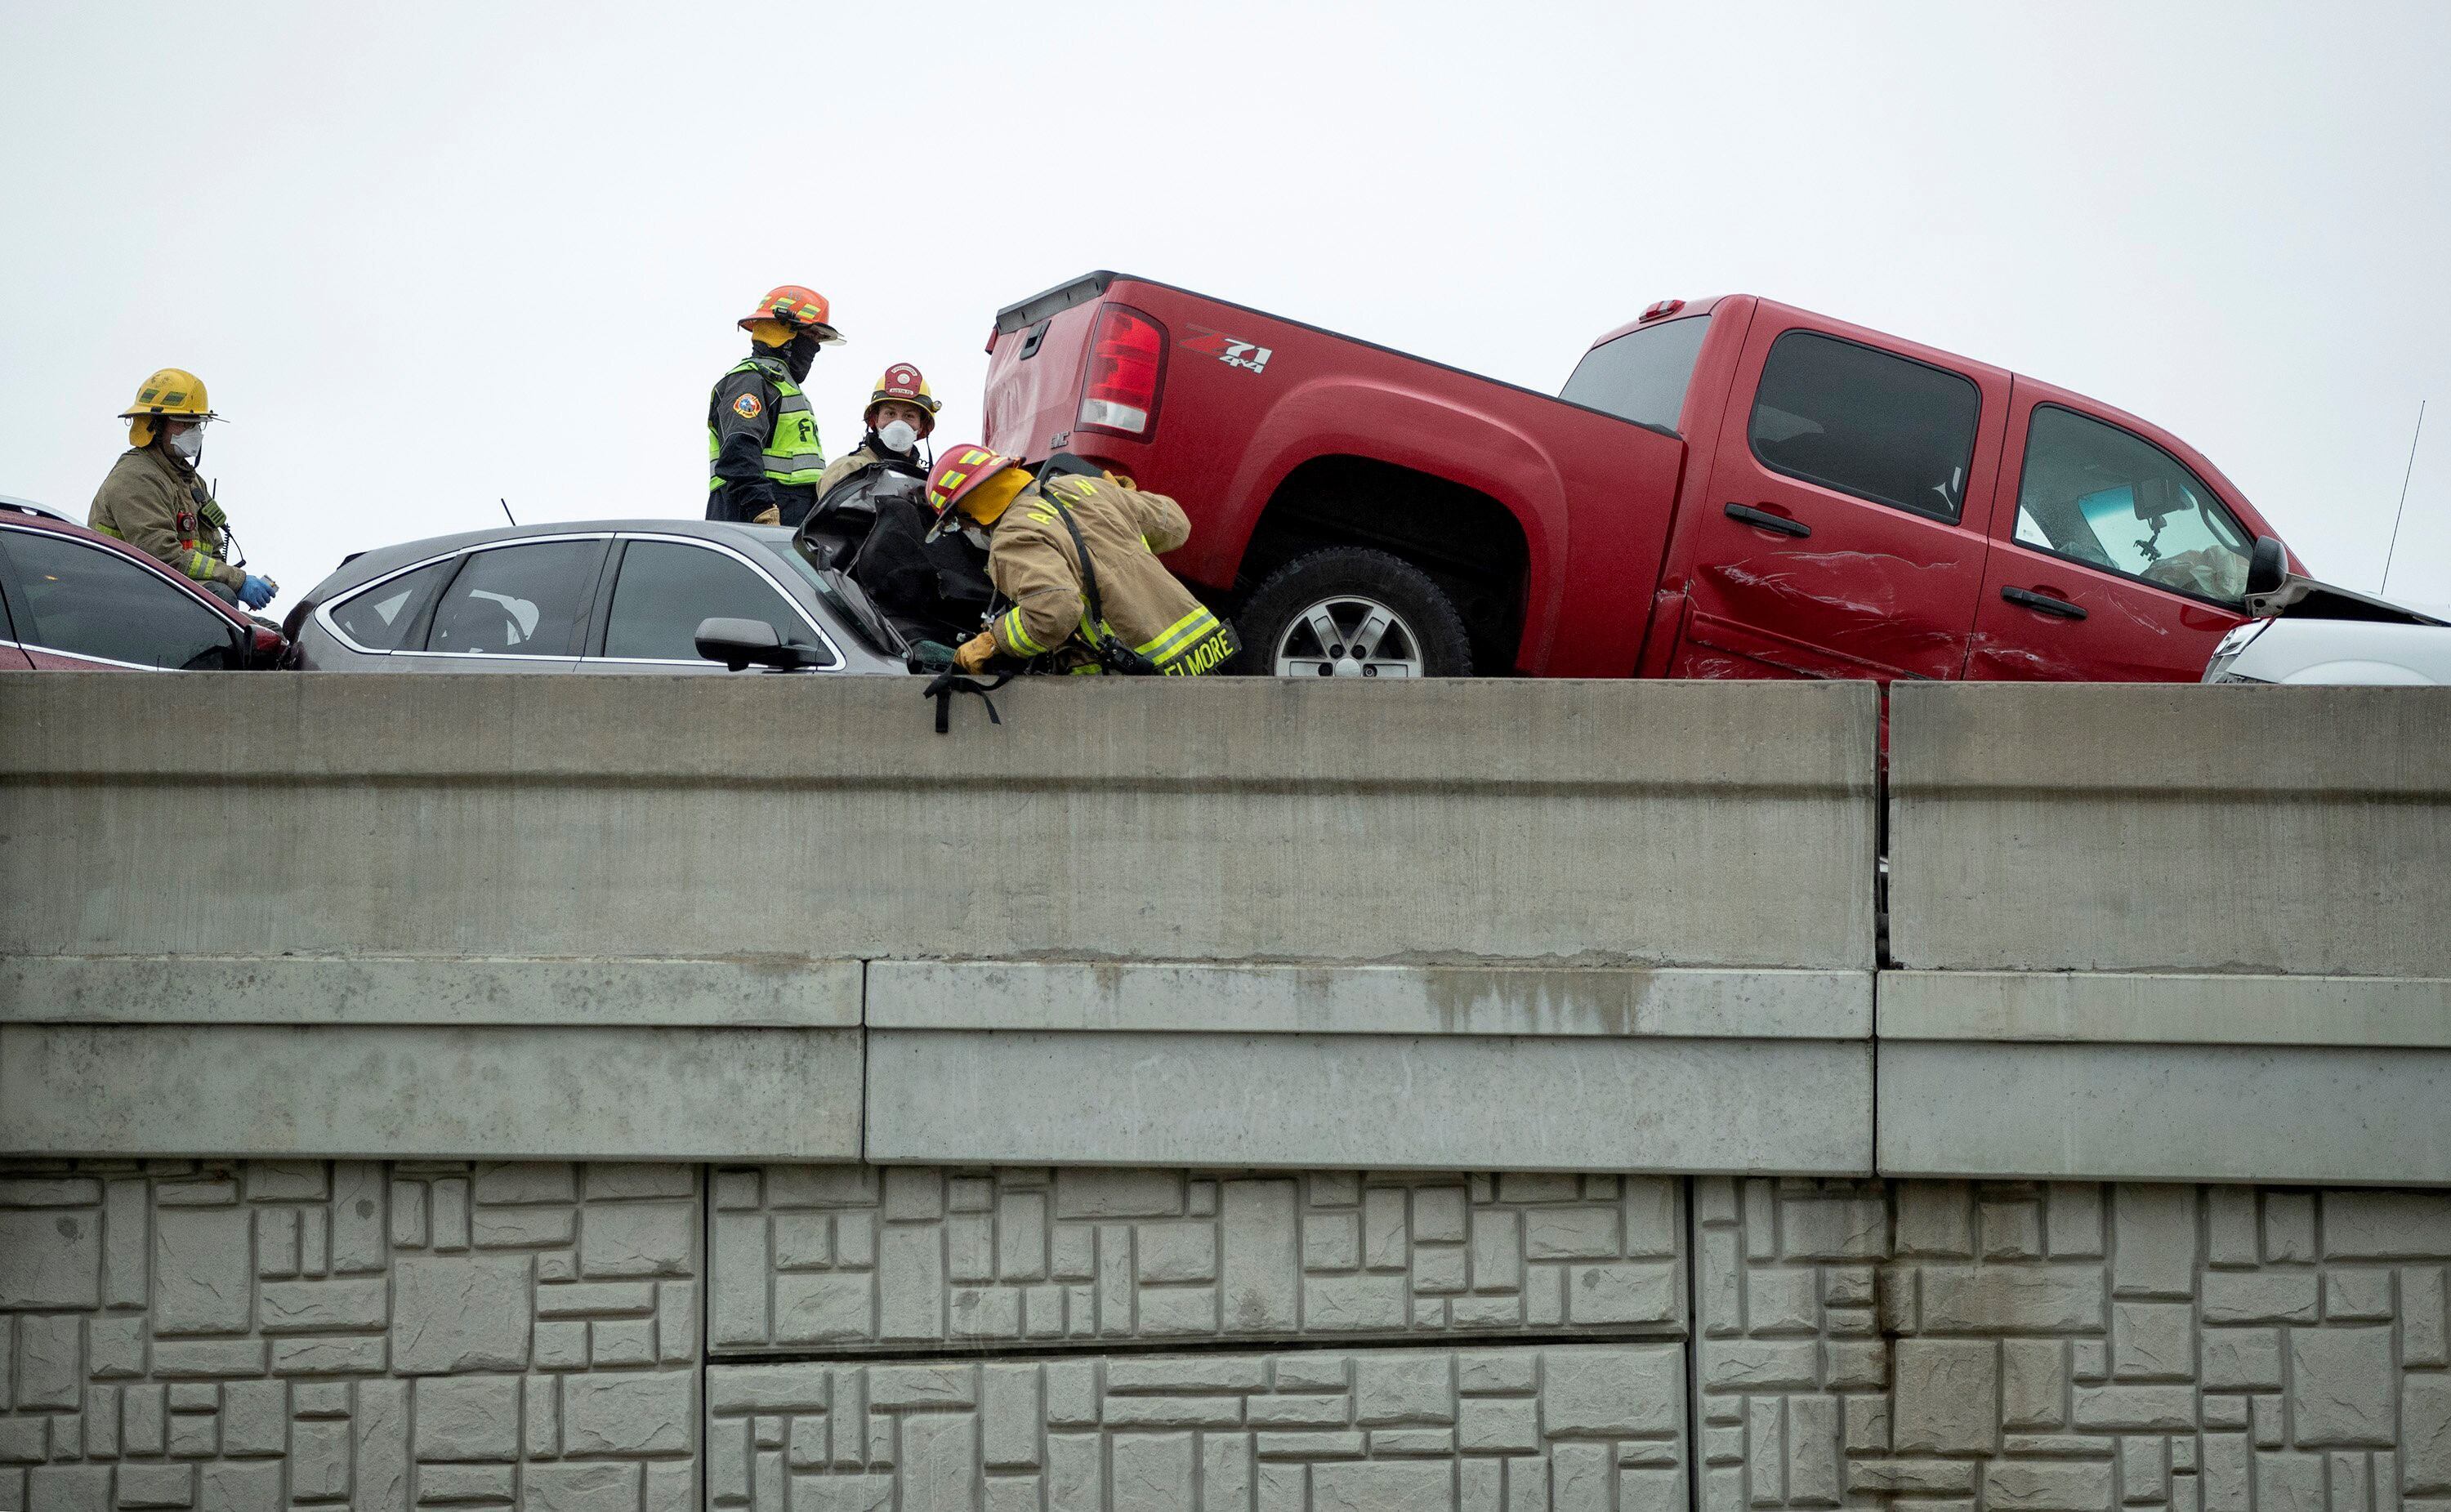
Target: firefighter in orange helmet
point(763, 456)
point(901, 414)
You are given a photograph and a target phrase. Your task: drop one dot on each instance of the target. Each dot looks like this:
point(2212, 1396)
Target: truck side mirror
point(2267, 566)
point(2152, 498)
point(740, 644)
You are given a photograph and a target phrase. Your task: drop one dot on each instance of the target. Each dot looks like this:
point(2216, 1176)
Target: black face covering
point(798, 357)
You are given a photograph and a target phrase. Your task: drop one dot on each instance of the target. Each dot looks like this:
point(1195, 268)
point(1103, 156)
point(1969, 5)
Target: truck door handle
point(2046, 603)
point(1747, 515)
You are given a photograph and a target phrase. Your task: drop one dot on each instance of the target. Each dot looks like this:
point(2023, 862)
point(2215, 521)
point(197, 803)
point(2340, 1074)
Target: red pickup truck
point(1726, 488)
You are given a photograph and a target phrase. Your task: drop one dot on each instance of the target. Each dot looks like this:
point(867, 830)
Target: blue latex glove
point(257, 592)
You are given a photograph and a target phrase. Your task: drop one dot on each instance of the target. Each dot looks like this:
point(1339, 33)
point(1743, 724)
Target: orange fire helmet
point(801, 308)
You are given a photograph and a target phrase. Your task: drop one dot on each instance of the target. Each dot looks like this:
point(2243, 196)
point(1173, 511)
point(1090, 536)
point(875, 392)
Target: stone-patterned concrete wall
point(1577, 1427)
point(265, 1334)
point(851, 1257)
point(2074, 1348)
point(1792, 1361)
point(218, 1335)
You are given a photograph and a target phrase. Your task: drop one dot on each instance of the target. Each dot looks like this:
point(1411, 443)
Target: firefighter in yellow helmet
point(155, 501)
point(901, 414)
point(763, 458)
point(1075, 551)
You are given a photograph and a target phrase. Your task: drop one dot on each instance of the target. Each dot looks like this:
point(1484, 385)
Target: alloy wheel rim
point(1348, 636)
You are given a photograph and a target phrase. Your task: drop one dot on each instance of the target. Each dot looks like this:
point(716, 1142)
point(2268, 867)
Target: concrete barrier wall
point(2061, 827)
point(497, 899)
point(2168, 932)
point(2140, 933)
point(804, 817)
point(1099, 1202)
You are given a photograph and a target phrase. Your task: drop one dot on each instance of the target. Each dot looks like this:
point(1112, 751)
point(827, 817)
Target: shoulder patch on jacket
point(749, 406)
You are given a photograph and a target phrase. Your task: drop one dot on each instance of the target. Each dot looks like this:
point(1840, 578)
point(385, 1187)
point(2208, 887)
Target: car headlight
point(2231, 644)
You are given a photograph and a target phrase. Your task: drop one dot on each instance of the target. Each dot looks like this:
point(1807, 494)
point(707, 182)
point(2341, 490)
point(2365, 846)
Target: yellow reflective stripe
point(1174, 637)
point(112, 531)
point(1016, 637)
point(200, 567)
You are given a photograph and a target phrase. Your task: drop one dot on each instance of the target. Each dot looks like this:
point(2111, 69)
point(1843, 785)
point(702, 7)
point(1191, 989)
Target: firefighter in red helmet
point(900, 416)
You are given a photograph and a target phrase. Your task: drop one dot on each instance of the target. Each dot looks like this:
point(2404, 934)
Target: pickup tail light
point(1119, 390)
point(1660, 308)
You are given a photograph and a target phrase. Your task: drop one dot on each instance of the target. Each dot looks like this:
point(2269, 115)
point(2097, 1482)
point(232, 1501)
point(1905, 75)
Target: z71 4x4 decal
point(1226, 349)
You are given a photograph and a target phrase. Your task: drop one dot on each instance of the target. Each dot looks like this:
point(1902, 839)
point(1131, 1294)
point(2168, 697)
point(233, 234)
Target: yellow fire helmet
point(172, 393)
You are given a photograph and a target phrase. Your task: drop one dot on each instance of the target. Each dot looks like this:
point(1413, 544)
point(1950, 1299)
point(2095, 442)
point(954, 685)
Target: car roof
point(381, 559)
point(27, 506)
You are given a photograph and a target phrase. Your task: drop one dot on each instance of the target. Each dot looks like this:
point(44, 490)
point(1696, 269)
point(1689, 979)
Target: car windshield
point(839, 594)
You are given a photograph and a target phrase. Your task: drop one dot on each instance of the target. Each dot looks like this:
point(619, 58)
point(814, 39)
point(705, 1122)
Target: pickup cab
point(1727, 488)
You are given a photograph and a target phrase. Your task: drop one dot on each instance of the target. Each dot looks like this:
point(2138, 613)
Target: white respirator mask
point(898, 436)
point(188, 444)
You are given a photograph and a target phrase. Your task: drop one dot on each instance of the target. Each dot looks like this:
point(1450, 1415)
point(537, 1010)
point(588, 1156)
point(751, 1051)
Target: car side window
point(379, 617)
point(2096, 494)
point(1867, 423)
point(524, 601)
point(84, 602)
point(666, 588)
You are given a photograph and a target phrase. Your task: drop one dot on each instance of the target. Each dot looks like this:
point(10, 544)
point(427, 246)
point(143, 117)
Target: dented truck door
point(1843, 534)
point(2112, 559)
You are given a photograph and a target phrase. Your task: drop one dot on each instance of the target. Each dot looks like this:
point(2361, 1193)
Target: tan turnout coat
point(1034, 564)
point(152, 502)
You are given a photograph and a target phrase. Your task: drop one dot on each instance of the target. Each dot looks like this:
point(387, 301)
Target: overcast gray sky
point(429, 255)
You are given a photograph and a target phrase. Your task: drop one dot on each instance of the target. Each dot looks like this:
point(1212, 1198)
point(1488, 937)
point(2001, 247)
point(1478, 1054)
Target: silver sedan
point(605, 595)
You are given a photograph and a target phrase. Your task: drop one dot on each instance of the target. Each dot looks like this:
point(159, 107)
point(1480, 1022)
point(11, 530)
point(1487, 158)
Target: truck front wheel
point(1352, 612)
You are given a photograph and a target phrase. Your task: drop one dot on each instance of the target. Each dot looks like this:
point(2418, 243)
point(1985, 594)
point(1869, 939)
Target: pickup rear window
point(1640, 375)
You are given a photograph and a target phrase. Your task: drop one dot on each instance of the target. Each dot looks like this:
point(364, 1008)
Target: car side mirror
point(2152, 498)
point(2267, 566)
point(740, 644)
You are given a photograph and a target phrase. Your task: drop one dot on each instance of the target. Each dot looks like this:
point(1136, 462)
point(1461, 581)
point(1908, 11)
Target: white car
point(2335, 651)
point(2313, 633)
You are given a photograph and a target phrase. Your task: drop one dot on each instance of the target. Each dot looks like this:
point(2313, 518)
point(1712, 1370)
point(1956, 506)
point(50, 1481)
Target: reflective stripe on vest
point(198, 565)
point(794, 453)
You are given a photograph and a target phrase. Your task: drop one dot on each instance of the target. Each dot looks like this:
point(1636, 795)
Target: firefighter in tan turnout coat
point(1119, 611)
point(155, 501)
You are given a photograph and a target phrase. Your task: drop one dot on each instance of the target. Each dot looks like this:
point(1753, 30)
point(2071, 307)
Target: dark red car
point(74, 599)
point(1725, 488)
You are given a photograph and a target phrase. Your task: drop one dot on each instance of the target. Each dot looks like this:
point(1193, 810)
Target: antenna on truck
point(2404, 475)
point(515, 523)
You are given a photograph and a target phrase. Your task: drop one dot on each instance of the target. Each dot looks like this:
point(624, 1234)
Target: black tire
point(1423, 615)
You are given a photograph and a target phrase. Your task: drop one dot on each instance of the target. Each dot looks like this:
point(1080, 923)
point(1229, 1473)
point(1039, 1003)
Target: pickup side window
point(1867, 423)
point(2096, 494)
point(1642, 375)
